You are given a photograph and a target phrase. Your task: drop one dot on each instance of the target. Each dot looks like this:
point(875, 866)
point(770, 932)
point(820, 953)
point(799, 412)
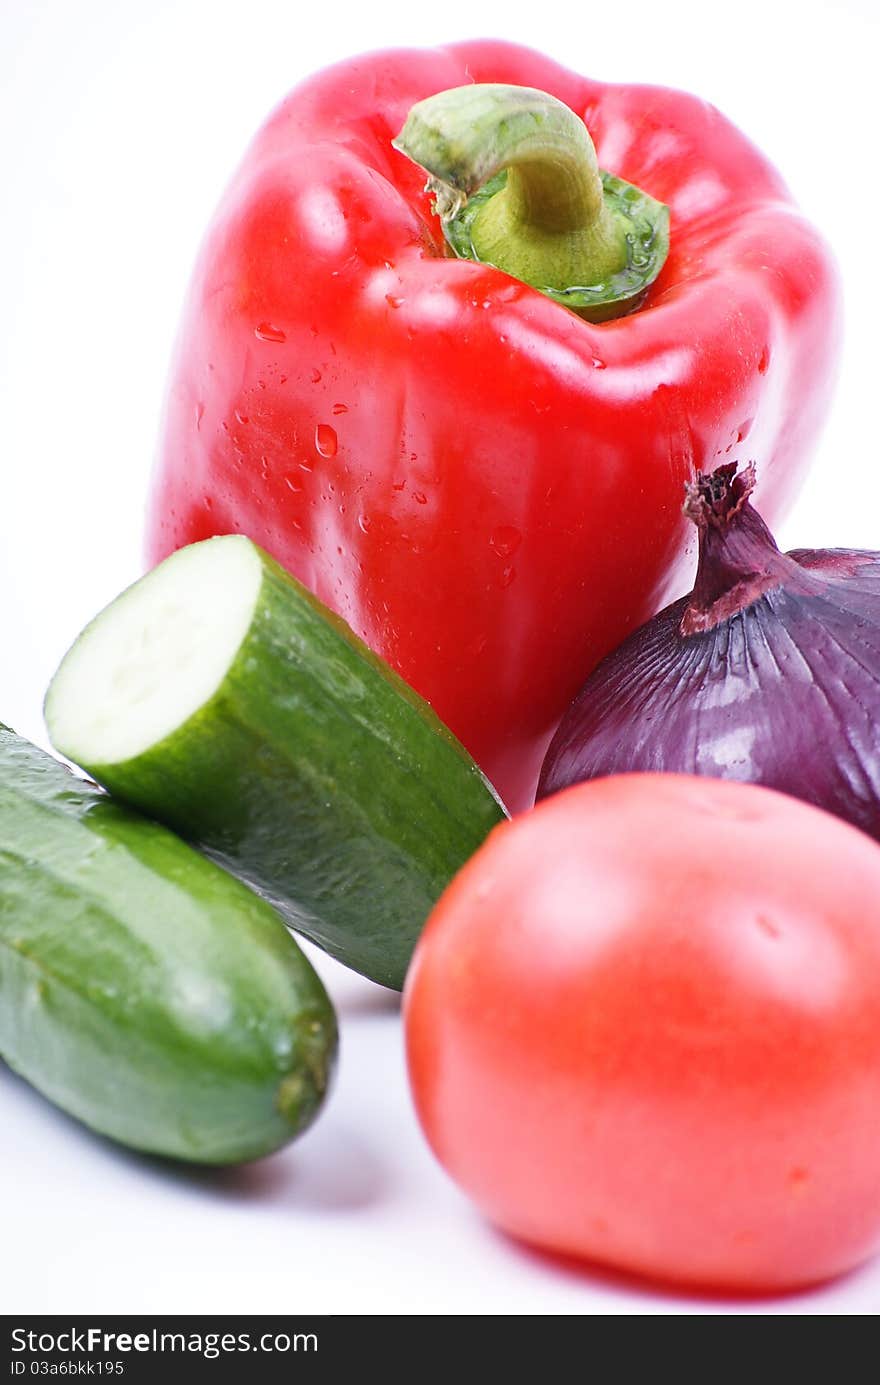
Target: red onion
point(769, 672)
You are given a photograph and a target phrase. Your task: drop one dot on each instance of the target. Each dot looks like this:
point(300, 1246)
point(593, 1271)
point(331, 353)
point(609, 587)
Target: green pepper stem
point(551, 225)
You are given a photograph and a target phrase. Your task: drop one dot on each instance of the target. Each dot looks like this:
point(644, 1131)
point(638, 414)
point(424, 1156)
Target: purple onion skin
point(768, 673)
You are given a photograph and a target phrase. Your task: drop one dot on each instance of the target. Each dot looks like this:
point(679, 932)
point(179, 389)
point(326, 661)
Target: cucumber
point(221, 697)
point(143, 989)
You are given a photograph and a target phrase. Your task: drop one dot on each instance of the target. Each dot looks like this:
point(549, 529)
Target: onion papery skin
point(784, 692)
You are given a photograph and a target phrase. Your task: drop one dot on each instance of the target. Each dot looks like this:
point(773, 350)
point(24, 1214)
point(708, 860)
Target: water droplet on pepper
point(267, 332)
point(506, 540)
point(744, 429)
point(326, 441)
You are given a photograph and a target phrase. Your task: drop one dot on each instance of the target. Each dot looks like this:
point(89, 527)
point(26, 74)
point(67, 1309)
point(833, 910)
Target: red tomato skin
point(485, 487)
point(643, 1028)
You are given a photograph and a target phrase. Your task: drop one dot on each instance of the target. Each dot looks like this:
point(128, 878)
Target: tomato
point(643, 1027)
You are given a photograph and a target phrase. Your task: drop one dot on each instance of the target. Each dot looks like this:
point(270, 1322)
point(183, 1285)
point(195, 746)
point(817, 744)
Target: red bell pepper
point(484, 484)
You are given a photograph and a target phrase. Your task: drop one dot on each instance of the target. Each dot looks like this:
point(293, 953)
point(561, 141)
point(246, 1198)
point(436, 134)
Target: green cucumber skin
point(142, 989)
point(321, 779)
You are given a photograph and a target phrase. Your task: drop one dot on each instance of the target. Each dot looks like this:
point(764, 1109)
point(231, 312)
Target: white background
point(119, 124)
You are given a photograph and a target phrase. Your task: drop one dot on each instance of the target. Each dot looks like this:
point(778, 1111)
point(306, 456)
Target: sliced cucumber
point(143, 989)
point(221, 697)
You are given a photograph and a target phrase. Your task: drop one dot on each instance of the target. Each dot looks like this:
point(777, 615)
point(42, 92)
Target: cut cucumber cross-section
point(143, 989)
point(156, 655)
point(221, 697)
